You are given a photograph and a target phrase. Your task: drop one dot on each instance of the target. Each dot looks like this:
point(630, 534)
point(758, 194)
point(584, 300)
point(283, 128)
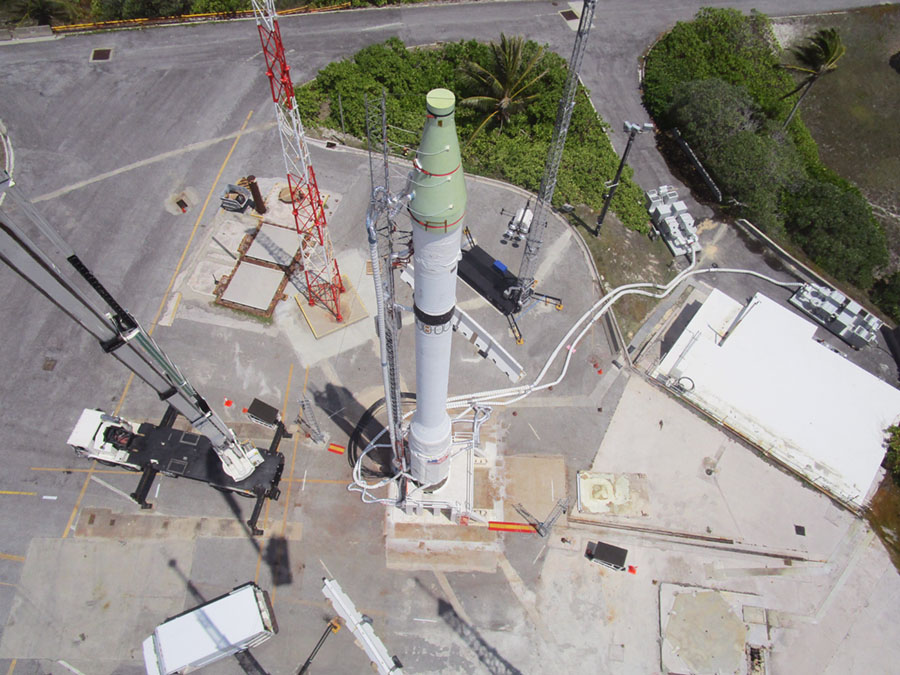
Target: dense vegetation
point(514, 151)
point(61, 12)
point(718, 79)
point(892, 456)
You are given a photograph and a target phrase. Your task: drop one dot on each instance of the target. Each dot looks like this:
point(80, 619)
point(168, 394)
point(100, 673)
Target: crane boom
point(118, 332)
point(524, 288)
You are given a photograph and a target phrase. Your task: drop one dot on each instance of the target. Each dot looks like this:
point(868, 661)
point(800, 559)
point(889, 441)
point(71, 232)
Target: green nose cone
point(439, 187)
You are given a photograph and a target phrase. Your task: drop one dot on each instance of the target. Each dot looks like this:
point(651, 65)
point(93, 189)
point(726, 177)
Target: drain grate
point(101, 54)
point(800, 530)
point(568, 15)
point(49, 364)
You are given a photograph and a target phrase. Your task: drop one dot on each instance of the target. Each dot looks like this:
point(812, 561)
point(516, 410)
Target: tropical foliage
point(515, 153)
point(818, 57)
point(43, 12)
point(508, 83)
point(892, 456)
point(718, 79)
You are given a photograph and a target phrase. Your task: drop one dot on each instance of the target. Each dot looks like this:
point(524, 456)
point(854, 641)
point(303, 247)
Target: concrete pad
point(99, 522)
point(537, 483)
point(253, 286)
point(701, 631)
point(703, 482)
point(94, 600)
point(322, 322)
point(274, 244)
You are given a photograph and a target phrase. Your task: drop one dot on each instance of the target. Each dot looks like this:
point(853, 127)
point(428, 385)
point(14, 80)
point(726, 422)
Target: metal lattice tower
point(381, 228)
point(320, 268)
point(524, 289)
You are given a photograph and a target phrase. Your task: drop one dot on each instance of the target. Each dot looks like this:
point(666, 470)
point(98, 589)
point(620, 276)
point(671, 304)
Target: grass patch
point(623, 256)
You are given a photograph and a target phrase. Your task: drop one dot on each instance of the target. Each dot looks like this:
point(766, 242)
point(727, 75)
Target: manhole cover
point(101, 54)
point(569, 15)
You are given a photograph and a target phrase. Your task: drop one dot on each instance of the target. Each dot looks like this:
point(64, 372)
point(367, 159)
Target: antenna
point(320, 267)
point(524, 288)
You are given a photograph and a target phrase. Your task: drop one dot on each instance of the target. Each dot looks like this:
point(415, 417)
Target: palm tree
point(507, 85)
point(818, 57)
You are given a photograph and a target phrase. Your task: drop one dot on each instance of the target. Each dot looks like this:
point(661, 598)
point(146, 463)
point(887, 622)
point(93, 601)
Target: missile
point(437, 209)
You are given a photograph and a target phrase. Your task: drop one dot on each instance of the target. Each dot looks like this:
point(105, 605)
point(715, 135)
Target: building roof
point(759, 370)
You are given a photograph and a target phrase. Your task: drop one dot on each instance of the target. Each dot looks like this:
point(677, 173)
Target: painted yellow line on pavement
point(7, 556)
point(159, 312)
point(12, 667)
point(16, 492)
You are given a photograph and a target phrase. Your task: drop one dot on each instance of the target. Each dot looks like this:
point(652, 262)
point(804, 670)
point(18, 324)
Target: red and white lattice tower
point(323, 277)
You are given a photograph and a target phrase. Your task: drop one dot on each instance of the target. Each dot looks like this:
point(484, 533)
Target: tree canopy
point(508, 83)
point(817, 57)
point(515, 153)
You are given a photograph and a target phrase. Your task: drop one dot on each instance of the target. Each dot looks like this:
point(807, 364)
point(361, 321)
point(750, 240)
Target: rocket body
point(437, 208)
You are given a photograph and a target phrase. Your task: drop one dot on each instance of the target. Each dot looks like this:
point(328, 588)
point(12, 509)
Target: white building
point(758, 370)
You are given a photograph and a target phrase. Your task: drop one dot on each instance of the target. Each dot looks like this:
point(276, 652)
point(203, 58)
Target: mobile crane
point(150, 449)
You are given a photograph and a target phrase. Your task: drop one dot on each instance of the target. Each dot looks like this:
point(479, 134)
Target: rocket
point(437, 208)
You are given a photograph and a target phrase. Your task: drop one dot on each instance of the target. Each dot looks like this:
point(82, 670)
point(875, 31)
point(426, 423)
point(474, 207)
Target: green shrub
point(886, 294)
point(722, 44)
point(892, 456)
point(219, 6)
point(717, 78)
point(836, 229)
point(708, 111)
point(516, 154)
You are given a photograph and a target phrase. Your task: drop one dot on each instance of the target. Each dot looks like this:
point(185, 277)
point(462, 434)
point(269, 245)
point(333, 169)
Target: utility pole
point(632, 130)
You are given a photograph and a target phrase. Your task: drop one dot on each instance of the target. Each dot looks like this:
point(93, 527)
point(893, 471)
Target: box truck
point(229, 624)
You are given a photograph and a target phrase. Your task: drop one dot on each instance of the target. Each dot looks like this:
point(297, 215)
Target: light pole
point(632, 130)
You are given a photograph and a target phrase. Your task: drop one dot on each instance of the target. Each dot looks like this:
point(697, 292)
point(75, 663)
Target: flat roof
point(213, 628)
point(758, 370)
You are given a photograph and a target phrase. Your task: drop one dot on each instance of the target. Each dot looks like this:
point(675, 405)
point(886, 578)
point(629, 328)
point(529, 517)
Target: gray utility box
point(606, 555)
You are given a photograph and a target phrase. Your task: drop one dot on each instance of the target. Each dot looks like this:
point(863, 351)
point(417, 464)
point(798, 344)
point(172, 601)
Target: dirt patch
point(884, 517)
point(623, 256)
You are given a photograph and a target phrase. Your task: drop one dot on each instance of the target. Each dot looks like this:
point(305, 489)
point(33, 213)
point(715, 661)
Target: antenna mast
point(320, 267)
point(524, 288)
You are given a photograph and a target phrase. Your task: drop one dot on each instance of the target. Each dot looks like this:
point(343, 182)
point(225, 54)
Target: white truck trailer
point(229, 624)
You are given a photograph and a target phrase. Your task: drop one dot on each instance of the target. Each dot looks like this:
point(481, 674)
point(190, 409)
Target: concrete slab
point(274, 244)
point(94, 601)
point(702, 630)
point(106, 523)
point(705, 484)
point(253, 286)
point(322, 322)
point(537, 483)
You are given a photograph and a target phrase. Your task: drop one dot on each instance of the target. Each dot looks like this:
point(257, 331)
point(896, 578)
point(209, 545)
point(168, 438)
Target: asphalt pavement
point(101, 148)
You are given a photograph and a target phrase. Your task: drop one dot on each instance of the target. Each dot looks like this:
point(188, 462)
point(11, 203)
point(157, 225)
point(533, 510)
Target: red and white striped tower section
point(323, 277)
